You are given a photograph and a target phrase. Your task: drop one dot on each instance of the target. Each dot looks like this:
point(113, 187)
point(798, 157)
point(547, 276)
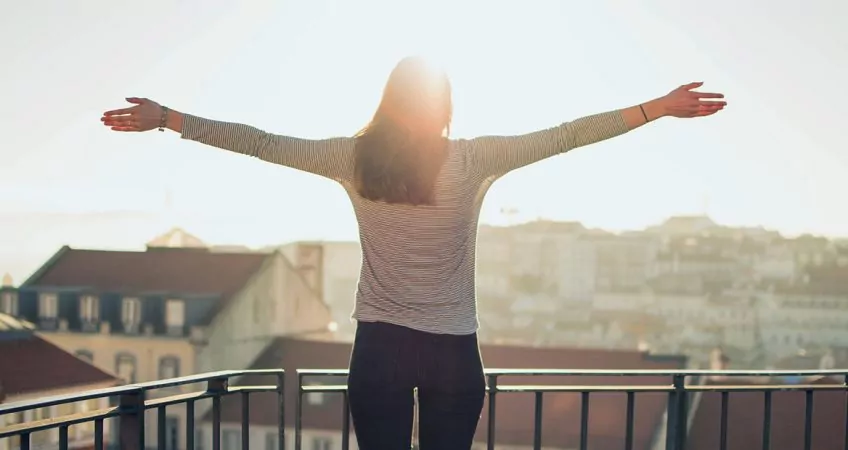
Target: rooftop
point(31, 365)
point(169, 270)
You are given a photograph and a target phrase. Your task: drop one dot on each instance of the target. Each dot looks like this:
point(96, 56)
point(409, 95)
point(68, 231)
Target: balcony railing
point(132, 401)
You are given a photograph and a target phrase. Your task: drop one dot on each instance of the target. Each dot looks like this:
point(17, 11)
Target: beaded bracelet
point(163, 121)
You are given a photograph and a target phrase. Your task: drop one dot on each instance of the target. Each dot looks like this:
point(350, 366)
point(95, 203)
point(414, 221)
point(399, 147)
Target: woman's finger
point(120, 112)
point(712, 104)
point(125, 128)
point(693, 85)
point(706, 95)
point(119, 121)
point(124, 118)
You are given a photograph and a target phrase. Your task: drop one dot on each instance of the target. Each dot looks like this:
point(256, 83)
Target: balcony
point(698, 409)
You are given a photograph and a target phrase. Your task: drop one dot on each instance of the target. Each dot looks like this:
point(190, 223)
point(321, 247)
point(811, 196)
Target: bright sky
point(315, 69)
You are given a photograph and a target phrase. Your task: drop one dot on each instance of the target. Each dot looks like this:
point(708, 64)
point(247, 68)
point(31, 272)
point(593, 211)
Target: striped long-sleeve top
point(418, 262)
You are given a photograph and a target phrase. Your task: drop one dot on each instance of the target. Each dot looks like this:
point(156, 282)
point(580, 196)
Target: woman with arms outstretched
point(417, 196)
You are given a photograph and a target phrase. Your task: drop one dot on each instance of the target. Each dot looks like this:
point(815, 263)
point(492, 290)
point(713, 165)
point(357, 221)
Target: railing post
point(25, 441)
point(682, 411)
point(281, 408)
point(245, 420)
point(845, 430)
point(131, 420)
point(298, 412)
point(490, 429)
point(189, 425)
point(675, 438)
point(217, 387)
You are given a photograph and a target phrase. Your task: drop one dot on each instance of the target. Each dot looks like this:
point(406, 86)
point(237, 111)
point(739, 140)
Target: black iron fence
point(128, 405)
point(682, 386)
point(131, 402)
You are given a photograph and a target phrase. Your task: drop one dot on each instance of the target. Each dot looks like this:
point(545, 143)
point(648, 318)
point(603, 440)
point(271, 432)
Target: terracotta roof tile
point(31, 365)
point(174, 270)
point(179, 270)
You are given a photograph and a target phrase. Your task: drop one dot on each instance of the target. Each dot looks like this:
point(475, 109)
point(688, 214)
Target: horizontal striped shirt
point(418, 262)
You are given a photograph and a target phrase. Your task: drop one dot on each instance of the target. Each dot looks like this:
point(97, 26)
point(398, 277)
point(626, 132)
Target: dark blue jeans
point(388, 362)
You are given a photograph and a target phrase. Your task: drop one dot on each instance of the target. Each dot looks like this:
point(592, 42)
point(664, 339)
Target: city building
point(332, 270)
point(30, 368)
point(624, 262)
point(683, 286)
point(168, 311)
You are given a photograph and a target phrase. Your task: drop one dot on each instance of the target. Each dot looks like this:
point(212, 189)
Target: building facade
point(167, 312)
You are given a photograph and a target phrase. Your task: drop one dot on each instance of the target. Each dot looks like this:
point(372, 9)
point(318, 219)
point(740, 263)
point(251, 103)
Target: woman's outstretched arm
point(494, 156)
point(330, 158)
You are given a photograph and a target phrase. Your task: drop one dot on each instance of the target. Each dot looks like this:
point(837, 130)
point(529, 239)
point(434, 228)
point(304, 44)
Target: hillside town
point(686, 286)
point(685, 294)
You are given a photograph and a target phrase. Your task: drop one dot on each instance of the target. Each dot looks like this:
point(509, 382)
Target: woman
point(417, 197)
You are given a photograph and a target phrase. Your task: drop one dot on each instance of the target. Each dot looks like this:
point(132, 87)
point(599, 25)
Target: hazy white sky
point(315, 68)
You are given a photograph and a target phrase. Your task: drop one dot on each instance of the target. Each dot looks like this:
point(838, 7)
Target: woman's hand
point(144, 116)
point(683, 102)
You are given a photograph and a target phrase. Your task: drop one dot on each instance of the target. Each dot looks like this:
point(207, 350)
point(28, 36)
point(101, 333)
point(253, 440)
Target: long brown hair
point(400, 152)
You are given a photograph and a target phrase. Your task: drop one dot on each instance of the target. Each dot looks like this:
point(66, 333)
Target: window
point(85, 429)
point(130, 313)
point(231, 440)
point(85, 355)
point(174, 313)
point(40, 414)
point(172, 433)
point(272, 441)
point(40, 439)
point(9, 303)
point(48, 306)
point(125, 367)
point(169, 367)
point(89, 308)
point(14, 442)
point(321, 443)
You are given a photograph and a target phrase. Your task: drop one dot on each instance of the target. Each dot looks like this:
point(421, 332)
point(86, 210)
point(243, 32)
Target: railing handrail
point(137, 388)
point(625, 373)
point(128, 389)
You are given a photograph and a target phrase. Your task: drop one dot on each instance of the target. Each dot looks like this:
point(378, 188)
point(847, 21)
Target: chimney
point(310, 264)
point(7, 281)
point(718, 360)
point(827, 361)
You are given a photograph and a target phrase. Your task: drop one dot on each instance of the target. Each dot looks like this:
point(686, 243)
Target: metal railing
point(131, 402)
point(677, 391)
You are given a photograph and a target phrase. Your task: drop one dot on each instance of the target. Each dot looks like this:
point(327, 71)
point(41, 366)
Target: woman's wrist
point(174, 120)
point(655, 109)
